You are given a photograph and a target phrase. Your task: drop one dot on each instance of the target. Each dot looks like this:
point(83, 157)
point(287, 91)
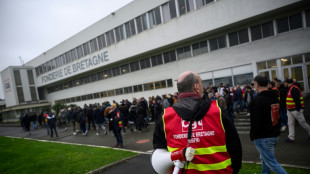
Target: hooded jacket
point(194, 108)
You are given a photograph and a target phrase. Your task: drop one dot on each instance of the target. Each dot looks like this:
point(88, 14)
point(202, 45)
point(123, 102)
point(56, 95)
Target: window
point(166, 12)
point(79, 51)
point(101, 42)
point(116, 71)
point(184, 52)
point(89, 96)
point(127, 28)
point(286, 61)
point(93, 77)
point(157, 60)
point(145, 63)
point(256, 33)
point(224, 80)
point(111, 93)
point(169, 83)
point(243, 79)
point(200, 3)
point(172, 7)
point(182, 8)
point(160, 84)
point(73, 99)
point(78, 98)
point(103, 94)
point(119, 91)
point(261, 65)
point(295, 21)
point(53, 64)
point(77, 82)
point(93, 45)
point(137, 88)
point(41, 69)
point(33, 93)
point(100, 75)
point(169, 56)
point(307, 58)
point(110, 37)
point(308, 20)
point(142, 23)
point(267, 29)
point(107, 73)
point(271, 64)
point(139, 24)
point(209, 1)
point(239, 37)
point(119, 33)
point(20, 94)
point(217, 43)
point(37, 71)
point(134, 66)
point(200, 48)
point(30, 77)
point(243, 36)
point(68, 57)
point(18, 80)
point(148, 86)
point(83, 97)
point(128, 90)
point(74, 55)
point(157, 15)
point(132, 27)
point(86, 79)
point(125, 69)
point(297, 59)
point(86, 48)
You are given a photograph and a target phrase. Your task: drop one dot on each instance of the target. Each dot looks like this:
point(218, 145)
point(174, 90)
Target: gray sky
point(30, 27)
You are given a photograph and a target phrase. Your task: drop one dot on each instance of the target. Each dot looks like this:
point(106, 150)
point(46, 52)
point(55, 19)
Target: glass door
point(271, 73)
point(294, 72)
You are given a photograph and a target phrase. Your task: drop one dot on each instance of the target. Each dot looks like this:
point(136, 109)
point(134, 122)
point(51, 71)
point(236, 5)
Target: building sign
point(80, 66)
point(7, 85)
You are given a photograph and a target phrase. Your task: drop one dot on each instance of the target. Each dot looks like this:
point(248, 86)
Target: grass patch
point(257, 168)
point(30, 156)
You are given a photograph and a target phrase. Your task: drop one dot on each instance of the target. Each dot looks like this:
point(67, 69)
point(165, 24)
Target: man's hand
point(184, 154)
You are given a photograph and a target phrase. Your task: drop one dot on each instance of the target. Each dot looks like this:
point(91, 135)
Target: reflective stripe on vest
point(208, 140)
point(290, 103)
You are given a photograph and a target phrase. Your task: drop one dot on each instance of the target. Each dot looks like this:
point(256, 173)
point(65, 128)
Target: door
point(294, 72)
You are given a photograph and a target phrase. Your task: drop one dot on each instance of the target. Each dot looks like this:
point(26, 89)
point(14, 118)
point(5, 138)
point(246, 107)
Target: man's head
point(261, 83)
point(217, 95)
point(289, 82)
point(190, 81)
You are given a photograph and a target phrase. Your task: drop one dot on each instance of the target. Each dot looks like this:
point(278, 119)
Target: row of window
point(120, 91)
point(19, 88)
point(137, 25)
point(234, 38)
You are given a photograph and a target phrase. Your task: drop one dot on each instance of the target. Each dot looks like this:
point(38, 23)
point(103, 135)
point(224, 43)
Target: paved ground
point(295, 154)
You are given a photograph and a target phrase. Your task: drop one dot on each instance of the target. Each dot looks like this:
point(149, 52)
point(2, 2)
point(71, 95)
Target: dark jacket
point(238, 95)
point(261, 122)
point(229, 101)
point(98, 116)
point(283, 93)
point(184, 109)
point(251, 93)
point(114, 120)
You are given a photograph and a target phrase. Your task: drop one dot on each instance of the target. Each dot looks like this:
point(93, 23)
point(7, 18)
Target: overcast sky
point(30, 27)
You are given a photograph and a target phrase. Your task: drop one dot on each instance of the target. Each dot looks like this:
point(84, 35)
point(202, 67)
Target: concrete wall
point(10, 94)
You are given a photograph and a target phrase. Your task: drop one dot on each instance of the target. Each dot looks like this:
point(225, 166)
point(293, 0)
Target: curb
point(106, 167)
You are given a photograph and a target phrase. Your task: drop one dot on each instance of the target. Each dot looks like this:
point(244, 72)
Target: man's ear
point(196, 88)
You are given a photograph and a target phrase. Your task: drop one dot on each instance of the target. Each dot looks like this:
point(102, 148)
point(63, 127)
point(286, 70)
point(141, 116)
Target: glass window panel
point(53, 64)
point(132, 27)
point(242, 79)
point(172, 7)
point(100, 75)
point(261, 65)
point(256, 32)
point(89, 96)
point(148, 86)
point(83, 97)
point(30, 77)
point(151, 18)
point(233, 39)
point(203, 47)
point(103, 94)
point(127, 28)
point(79, 51)
point(285, 61)
point(125, 69)
point(182, 8)
point(190, 5)
point(308, 21)
point(111, 93)
point(68, 57)
point(74, 55)
point(224, 80)
point(166, 57)
point(112, 37)
point(268, 29)
point(33, 93)
point(187, 51)
point(154, 61)
point(222, 41)
point(295, 21)
point(144, 22)
point(285, 73)
point(86, 80)
point(86, 48)
point(119, 91)
point(20, 94)
point(308, 75)
point(107, 73)
point(265, 73)
point(137, 88)
point(100, 44)
point(134, 66)
point(107, 35)
point(159, 59)
point(166, 12)
point(307, 57)
point(18, 80)
point(273, 74)
point(173, 56)
point(139, 24)
point(199, 3)
point(145, 63)
point(116, 71)
point(282, 25)
point(297, 59)
point(121, 32)
point(73, 99)
point(93, 44)
point(271, 63)
point(297, 73)
point(196, 49)
point(207, 83)
point(128, 90)
point(94, 77)
point(243, 36)
point(169, 83)
point(213, 44)
point(96, 95)
point(157, 15)
point(37, 71)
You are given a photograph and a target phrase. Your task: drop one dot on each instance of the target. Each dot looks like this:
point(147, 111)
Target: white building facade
point(140, 49)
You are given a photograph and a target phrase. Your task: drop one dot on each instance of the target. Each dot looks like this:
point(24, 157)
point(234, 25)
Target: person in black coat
point(51, 119)
point(115, 120)
point(125, 112)
point(27, 120)
point(141, 114)
point(99, 119)
point(82, 121)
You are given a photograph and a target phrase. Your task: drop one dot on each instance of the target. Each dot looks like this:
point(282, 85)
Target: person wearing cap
point(295, 108)
point(193, 123)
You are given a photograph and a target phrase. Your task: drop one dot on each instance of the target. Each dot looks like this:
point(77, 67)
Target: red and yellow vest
point(290, 103)
point(208, 140)
point(277, 91)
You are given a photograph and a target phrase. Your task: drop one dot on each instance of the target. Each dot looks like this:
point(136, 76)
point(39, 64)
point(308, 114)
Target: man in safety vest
point(196, 124)
point(295, 108)
point(265, 125)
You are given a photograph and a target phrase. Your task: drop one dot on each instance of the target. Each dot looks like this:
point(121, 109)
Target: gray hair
point(187, 84)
